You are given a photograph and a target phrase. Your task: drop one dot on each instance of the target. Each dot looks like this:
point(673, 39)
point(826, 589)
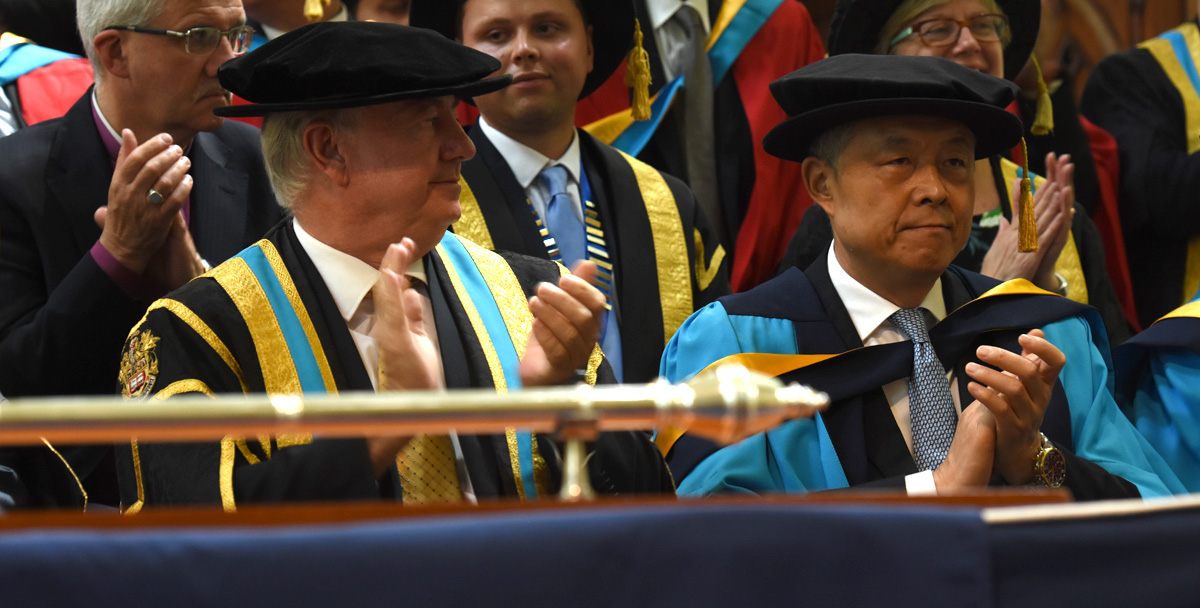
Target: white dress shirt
point(526, 163)
point(669, 35)
point(869, 312)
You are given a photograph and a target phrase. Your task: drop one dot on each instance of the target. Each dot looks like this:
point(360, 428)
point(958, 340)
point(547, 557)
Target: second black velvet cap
point(845, 88)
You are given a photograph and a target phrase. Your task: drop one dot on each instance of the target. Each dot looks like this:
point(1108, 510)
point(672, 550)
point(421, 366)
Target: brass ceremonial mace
point(724, 405)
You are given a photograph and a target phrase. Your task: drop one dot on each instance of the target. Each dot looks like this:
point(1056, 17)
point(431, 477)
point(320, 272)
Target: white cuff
point(920, 484)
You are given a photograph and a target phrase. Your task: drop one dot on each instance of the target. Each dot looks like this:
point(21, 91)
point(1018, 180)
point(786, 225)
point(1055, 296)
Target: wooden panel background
point(1076, 34)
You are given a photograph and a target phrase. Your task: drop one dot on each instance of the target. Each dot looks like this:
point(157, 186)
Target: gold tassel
point(315, 9)
point(637, 75)
point(1027, 240)
point(1043, 121)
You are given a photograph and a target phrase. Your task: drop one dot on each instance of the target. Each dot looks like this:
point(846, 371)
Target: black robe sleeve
point(1131, 97)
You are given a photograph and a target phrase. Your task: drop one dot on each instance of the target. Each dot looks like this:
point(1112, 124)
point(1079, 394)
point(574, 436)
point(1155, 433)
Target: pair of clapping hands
point(566, 326)
point(141, 226)
point(1052, 206)
point(1001, 430)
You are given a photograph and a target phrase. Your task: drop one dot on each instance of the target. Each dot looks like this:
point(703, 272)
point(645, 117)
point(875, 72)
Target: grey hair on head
point(92, 16)
point(288, 167)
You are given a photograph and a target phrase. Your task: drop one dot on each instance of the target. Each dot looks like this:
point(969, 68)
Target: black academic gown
point(1130, 96)
point(622, 207)
point(337, 469)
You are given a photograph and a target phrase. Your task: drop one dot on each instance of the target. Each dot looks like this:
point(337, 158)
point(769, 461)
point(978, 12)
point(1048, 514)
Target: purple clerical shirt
point(136, 286)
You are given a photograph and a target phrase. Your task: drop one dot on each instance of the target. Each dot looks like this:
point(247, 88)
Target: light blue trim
point(293, 332)
point(738, 34)
point(637, 135)
point(480, 294)
point(21, 59)
point(1184, 55)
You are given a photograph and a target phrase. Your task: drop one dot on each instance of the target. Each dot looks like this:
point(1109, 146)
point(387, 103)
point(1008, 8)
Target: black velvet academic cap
point(612, 24)
point(857, 24)
point(845, 88)
point(330, 65)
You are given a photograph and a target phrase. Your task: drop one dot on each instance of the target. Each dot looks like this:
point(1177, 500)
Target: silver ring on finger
point(155, 197)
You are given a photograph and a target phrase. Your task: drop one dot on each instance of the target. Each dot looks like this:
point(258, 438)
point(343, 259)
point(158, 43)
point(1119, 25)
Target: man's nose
point(928, 185)
point(221, 54)
point(524, 46)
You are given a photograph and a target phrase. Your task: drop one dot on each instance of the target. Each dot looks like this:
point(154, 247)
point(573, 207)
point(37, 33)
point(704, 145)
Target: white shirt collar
point(348, 278)
point(104, 119)
point(526, 162)
point(868, 310)
point(272, 33)
point(660, 11)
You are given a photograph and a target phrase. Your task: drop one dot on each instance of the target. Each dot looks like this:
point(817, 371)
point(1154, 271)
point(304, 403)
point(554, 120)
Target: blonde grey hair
point(908, 11)
point(92, 16)
point(288, 166)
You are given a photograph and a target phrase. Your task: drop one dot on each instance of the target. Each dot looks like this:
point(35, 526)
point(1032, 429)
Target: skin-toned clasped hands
point(1052, 206)
point(147, 238)
point(1000, 430)
point(566, 326)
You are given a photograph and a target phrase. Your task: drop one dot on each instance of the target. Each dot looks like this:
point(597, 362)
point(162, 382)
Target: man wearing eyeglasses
point(116, 203)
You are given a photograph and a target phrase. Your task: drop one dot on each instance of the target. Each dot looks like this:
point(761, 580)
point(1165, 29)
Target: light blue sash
point(476, 286)
point(749, 19)
point(303, 357)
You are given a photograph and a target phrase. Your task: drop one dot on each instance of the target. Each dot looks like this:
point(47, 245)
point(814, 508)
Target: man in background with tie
point(366, 290)
point(710, 63)
point(541, 187)
point(942, 380)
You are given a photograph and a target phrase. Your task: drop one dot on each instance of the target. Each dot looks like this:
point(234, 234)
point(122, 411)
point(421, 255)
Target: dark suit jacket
point(623, 214)
point(62, 319)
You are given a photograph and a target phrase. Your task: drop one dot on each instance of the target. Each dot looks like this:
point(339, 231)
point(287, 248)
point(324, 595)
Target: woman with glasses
point(995, 37)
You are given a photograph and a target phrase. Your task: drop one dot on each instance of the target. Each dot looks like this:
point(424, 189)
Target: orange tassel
point(315, 9)
point(1027, 240)
point(1043, 121)
point(637, 75)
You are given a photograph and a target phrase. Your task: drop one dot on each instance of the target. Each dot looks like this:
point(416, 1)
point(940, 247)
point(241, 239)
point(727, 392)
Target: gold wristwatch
point(1049, 466)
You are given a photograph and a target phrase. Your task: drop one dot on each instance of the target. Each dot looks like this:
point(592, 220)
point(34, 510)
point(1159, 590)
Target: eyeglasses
point(200, 40)
point(944, 32)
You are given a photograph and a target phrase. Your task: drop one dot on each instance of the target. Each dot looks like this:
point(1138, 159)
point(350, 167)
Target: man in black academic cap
point(943, 380)
point(366, 290)
point(542, 187)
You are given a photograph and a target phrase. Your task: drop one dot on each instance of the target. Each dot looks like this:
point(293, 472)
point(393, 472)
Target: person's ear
point(323, 146)
point(819, 177)
point(112, 53)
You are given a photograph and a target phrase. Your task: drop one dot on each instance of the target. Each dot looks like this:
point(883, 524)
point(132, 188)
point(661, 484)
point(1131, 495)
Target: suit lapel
point(219, 199)
point(455, 366)
point(465, 366)
point(501, 199)
point(863, 429)
point(627, 230)
point(78, 172)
